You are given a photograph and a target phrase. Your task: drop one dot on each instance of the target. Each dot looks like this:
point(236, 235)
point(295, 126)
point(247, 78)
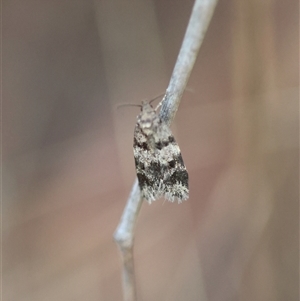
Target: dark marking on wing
point(171, 139)
point(172, 163)
point(143, 180)
point(180, 176)
point(142, 145)
point(179, 159)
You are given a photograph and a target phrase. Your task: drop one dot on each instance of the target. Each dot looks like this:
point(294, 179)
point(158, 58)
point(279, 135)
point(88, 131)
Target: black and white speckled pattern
point(159, 165)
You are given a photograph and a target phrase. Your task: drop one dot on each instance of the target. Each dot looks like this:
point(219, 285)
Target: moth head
point(147, 119)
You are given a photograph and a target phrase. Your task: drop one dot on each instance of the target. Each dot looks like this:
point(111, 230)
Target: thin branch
point(194, 35)
point(124, 238)
point(124, 234)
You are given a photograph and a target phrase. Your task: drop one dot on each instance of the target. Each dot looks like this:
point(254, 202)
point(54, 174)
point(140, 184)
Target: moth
point(159, 165)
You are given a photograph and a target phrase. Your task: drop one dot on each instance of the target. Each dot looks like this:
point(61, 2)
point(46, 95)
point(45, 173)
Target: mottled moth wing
point(159, 164)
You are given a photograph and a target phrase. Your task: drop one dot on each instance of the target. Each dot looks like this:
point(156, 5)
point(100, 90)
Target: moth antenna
point(158, 96)
point(128, 105)
point(158, 105)
point(163, 94)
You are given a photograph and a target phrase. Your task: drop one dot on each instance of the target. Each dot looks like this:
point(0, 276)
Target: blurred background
point(68, 163)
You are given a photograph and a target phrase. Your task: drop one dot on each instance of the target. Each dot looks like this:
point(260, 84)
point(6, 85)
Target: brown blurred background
point(67, 151)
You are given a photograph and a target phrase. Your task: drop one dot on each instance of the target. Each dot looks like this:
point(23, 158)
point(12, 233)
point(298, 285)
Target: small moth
point(159, 165)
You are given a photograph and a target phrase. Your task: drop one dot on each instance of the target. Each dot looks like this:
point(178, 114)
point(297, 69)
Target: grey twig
point(199, 21)
point(124, 234)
